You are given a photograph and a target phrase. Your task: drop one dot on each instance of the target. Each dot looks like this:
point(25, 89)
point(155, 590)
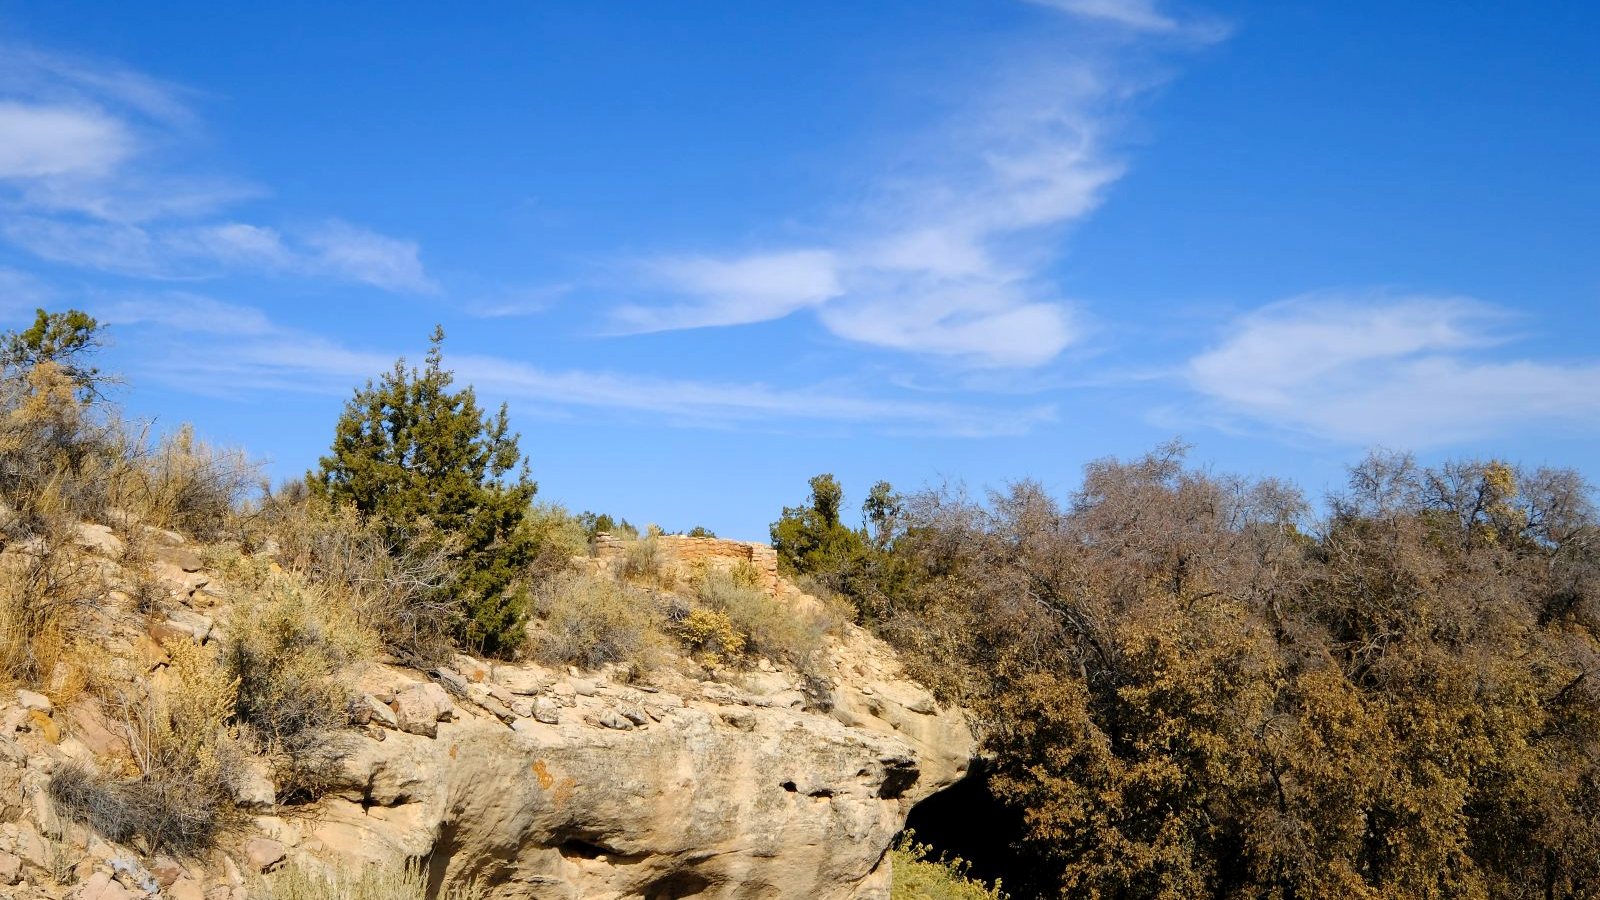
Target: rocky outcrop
point(536, 782)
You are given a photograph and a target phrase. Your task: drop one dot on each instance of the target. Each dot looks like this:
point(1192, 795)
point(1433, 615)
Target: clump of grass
point(589, 621)
point(383, 882)
point(918, 875)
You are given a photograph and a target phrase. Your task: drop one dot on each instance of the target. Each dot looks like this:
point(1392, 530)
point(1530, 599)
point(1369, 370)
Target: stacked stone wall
point(687, 558)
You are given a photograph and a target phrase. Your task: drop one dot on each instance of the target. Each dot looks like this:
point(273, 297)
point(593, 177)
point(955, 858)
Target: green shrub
point(811, 538)
point(588, 621)
point(920, 876)
point(594, 523)
point(434, 471)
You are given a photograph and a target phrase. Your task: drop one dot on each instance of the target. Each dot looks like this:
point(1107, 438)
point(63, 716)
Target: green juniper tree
point(431, 468)
point(62, 338)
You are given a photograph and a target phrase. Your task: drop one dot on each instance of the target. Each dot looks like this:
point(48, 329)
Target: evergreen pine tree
point(427, 465)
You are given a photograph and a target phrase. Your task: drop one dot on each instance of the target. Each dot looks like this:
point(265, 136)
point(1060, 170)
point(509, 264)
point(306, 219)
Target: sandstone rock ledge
point(611, 791)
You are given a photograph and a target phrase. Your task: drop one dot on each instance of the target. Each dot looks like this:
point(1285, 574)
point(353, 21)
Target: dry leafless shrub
point(288, 646)
point(182, 483)
point(56, 453)
point(44, 590)
point(644, 562)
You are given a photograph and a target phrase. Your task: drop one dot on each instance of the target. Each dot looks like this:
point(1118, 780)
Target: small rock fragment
point(10, 868)
point(612, 719)
point(33, 700)
point(379, 712)
point(547, 711)
point(452, 682)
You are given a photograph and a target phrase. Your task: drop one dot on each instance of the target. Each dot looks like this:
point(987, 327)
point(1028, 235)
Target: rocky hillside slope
point(535, 781)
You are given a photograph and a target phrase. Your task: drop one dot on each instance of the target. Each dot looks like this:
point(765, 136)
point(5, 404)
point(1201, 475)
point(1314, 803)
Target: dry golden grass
point(380, 882)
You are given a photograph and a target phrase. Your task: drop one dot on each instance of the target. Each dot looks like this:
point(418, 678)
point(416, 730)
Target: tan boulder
point(100, 886)
point(264, 854)
point(420, 707)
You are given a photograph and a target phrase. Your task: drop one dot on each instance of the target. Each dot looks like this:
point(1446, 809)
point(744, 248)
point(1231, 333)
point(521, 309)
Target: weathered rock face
point(584, 788)
point(541, 783)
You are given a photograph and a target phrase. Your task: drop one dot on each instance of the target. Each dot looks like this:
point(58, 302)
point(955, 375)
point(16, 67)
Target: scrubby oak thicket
point(1191, 687)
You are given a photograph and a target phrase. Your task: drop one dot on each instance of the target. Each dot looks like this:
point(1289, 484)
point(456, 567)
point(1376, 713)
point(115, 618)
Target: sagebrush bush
point(558, 535)
point(590, 620)
point(401, 592)
point(183, 484)
point(644, 562)
point(186, 758)
point(772, 628)
point(287, 647)
point(393, 881)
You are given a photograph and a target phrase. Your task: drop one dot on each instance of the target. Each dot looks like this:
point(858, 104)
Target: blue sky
point(707, 250)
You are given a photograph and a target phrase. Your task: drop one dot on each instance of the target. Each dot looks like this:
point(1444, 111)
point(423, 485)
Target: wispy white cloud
point(1137, 14)
point(1408, 370)
point(357, 254)
point(737, 291)
point(244, 352)
point(90, 177)
point(40, 141)
point(185, 313)
point(510, 303)
point(950, 259)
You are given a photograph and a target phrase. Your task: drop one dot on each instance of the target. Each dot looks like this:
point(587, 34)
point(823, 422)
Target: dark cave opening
point(966, 820)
